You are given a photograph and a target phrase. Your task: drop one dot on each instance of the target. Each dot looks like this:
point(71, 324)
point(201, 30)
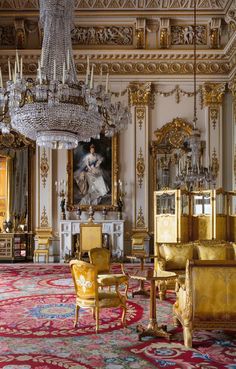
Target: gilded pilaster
point(44, 195)
point(232, 87)
point(213, 94)
point(141, 100)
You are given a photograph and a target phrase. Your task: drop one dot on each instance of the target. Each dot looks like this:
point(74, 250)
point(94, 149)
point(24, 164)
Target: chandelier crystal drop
point(56, 109)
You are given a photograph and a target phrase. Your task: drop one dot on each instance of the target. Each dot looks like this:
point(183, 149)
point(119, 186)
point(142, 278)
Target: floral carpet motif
point(53, 316)
point(36, 328)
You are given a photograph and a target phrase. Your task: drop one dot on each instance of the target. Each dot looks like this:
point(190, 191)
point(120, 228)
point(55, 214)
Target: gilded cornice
point(140, 94)
point(132, 64)
point(134, 5)
point(213, 94)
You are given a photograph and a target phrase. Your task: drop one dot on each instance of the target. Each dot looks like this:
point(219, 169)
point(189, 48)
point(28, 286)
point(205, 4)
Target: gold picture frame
point(106, 172)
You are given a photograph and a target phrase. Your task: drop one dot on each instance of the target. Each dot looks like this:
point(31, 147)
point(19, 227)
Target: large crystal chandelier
point(56, 109)
point(192, 174)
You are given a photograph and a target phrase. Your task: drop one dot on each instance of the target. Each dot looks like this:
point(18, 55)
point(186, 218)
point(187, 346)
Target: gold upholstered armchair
point(87, 291)
point(101, 258)
point(207, 300)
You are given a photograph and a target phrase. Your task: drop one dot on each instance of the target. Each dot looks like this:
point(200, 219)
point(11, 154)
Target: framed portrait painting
point(93, 174)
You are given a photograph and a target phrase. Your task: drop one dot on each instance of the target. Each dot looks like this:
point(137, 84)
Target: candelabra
point(61, 193)
point(120, 202)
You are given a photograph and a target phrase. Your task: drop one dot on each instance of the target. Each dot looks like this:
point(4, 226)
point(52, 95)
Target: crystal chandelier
point(192, 173)
point(56, 109)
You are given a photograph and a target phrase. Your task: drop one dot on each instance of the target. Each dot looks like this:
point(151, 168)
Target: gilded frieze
point(140, 168)
point(44, 167)
point(184, 35)
point(106, 35)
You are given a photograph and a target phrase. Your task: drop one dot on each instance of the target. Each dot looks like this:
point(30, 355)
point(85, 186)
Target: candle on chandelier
point(91, 79)
point(107, 82)
point(9, 69)
point(42, 57)
point(17, 61)
point(54, 69)
point(1, 83)
point(88, 70)
point(63, 73)
point(101, 76)
point(40, 74)
point(68, 59)
point(21, 67)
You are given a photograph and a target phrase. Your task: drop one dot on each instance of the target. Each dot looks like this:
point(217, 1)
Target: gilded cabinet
point(171, 216)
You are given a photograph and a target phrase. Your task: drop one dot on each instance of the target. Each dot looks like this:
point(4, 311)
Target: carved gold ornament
point(215, 163)
point(44, 219)
point(173, 133)
point(140, 168)
point(140, 223)
point(14, 140)
point(140, 38)
point(179, 92)
point(44, 167)
point(214, 114)
point(213, 93)
point(140, 115)
point(140, 94)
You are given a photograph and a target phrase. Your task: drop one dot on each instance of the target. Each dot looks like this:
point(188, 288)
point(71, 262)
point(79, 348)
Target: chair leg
point(123, 315)
point(176, 321)
point(76, 315)
point(187, 331)
point(97, 318)
point(126, 289)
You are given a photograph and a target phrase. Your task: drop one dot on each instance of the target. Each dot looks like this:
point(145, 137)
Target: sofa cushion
point(177, 255)
point(210, 252)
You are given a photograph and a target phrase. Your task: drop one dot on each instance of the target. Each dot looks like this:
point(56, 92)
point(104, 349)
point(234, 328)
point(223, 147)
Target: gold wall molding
point(213, 94)
point(140, 168)
point(44, 167)
point(140, 116)
point(215, 163)
point(140, 94)
point(44, 218)
point(140, 222)
point(232, 87)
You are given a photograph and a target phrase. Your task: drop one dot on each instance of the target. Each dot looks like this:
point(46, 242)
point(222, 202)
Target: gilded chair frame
point(93, 298)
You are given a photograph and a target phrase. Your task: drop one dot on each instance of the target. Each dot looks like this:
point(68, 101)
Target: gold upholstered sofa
point(173, 257)
point(207, 299)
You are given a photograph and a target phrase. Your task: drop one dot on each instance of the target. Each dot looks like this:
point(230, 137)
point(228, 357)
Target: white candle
point(9, 69)
point(42, 57)
point(15, 71)
point(68, 59)
point(63, 73)
point(21, 66)
point(91, 80)
point(17, 61)
point(107, 81)
point(54, 69)
point(1, 83)
point(101, 76)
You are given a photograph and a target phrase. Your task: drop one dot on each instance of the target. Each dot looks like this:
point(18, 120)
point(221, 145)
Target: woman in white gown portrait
point(90, 180)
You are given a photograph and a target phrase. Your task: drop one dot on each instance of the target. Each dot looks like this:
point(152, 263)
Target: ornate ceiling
point(132, 37)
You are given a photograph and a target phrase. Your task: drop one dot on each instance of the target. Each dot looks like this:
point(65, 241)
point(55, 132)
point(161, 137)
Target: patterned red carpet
point(36, 329)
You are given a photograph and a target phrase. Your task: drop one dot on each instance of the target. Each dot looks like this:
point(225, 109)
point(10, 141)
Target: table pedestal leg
point(153, 330)
point(141, 290)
